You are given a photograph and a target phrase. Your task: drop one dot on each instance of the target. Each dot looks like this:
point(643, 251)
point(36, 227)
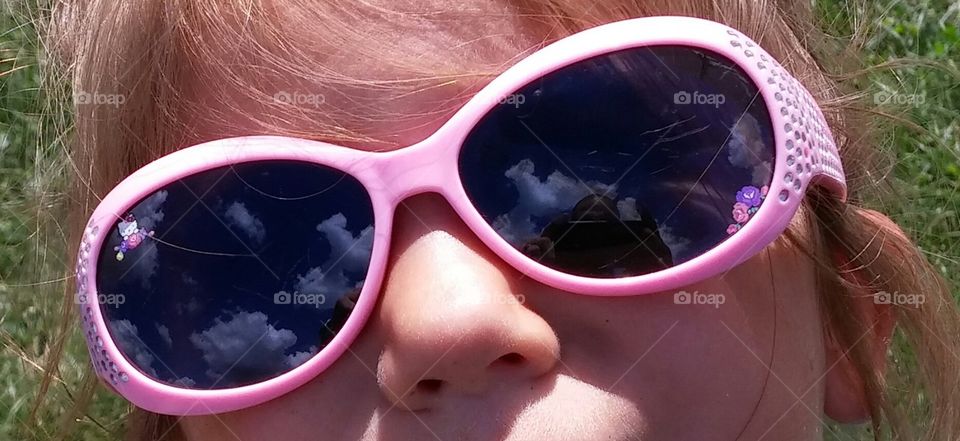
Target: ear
point(845, 399)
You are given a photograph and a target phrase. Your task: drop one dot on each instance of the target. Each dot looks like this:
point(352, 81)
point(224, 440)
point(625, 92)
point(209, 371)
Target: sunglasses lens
point(623, 164)
point(237, 274)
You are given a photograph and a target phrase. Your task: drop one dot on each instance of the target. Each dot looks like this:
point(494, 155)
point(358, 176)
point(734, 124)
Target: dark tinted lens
point(623, 164)
point(236, 274)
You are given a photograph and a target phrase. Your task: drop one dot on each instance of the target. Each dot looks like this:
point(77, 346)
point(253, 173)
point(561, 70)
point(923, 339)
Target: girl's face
point(462, 347)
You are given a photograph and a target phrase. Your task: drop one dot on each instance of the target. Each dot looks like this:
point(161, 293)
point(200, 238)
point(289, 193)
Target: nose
point(452, 323)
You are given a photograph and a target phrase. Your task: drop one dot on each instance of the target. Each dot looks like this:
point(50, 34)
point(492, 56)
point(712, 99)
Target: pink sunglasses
point(636, 157)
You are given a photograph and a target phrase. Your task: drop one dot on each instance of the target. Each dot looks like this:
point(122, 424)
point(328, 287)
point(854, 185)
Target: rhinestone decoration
point(811, 144)
point(86, 300)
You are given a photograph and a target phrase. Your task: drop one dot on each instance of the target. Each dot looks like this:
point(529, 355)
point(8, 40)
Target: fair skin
point(449, 355)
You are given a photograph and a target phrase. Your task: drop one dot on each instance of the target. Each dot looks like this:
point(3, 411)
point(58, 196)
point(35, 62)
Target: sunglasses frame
point(800, 133)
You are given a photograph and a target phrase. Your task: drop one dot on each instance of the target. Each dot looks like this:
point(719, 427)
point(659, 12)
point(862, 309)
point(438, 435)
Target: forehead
point(371, 76)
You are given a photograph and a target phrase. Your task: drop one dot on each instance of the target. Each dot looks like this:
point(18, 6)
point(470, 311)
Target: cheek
point(663, 356)
point(730, 353)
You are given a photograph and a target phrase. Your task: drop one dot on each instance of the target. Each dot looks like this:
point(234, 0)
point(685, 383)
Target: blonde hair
point(159, 54)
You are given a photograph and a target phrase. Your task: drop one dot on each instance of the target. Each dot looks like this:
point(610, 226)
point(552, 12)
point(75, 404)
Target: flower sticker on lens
point(131, 233)
point(750, 196)
point(748, 202)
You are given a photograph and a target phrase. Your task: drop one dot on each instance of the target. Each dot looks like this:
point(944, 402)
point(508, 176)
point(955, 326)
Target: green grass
point(33, 260)
point(928, 166)
point(923, 39)
point(927, 171)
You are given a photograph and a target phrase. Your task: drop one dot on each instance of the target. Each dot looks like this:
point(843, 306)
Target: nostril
point(429, 385)
point(510, 359)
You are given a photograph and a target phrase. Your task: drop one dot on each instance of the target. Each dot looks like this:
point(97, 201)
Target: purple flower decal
point(748, 203)
point(749, 195)
point(740, 212)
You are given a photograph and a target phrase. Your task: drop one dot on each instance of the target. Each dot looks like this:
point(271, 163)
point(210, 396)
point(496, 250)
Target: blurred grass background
point(925, 34)
point(916, 44)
